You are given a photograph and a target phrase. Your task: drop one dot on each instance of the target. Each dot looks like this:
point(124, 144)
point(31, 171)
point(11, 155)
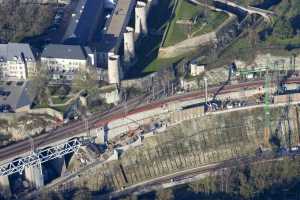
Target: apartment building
point(63, 61)
point(17, 61)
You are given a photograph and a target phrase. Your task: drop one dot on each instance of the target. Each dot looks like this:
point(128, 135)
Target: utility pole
point(125, 105)
point(205, 10)
point(168, 90)
point(31, 141)
point(153, 93)
point(86, 125)
point(205, 86)
point(267, 124)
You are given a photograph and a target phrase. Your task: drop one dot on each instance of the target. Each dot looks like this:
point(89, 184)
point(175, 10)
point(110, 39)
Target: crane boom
point(267, 122)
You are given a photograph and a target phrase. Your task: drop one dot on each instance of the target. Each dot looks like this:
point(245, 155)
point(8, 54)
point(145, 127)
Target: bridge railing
point(42, 156)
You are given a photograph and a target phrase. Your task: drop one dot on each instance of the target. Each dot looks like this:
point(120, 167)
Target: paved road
point(157, 183)
point(100, 119)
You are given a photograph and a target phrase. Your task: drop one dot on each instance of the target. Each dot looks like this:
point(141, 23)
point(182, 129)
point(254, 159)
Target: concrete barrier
point(287, 98)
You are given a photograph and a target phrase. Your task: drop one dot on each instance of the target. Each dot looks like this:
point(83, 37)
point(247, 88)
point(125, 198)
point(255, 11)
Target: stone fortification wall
point(157, 79)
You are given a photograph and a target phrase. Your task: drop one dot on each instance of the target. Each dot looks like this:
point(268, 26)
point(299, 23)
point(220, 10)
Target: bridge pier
point(5, 190)
point(34, 175)
point(102, 134)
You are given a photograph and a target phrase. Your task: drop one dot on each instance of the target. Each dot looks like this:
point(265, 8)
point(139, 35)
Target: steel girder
point(41, 156)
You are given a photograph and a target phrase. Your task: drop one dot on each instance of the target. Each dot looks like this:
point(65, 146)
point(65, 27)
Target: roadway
point(135, 105)
point(191, 175)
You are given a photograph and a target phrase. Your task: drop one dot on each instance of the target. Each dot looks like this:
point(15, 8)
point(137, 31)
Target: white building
point(196, 69)
point(17, 61)
point(63, 61)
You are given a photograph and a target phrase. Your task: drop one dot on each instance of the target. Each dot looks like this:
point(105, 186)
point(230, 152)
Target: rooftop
point(83, 21)
point(117, 23)
point(75, 52)
point(13, 51)
point(16, 94)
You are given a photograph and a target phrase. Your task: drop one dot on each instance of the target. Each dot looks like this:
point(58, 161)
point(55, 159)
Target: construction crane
point(272, 76)
point(206, 10)
point(285, 119)
point(267, 120)
point(279, 80)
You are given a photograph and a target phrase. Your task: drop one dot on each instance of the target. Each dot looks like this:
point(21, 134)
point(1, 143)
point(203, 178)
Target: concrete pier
point(5, 187)
point(34, 175)
point(101, 135)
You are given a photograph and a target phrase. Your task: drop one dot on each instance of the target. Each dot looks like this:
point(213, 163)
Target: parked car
point(5, 108)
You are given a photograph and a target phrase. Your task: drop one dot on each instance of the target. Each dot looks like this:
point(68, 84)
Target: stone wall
point(157, 79)
point(262, 60)
point(111, 96)
point(139, 82)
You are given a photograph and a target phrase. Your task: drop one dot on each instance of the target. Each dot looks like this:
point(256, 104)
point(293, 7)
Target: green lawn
point(158, 63)
point(41, 104)
point(61, 109)
point(59, 100)
point(187, 11)
point(147, 47)
point(277, 41)
point(161, 15)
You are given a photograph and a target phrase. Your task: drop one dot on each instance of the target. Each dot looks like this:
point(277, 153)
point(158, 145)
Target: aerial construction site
point(149, 99)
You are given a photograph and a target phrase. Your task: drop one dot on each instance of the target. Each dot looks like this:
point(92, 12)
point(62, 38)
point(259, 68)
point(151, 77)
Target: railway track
point(100, 119)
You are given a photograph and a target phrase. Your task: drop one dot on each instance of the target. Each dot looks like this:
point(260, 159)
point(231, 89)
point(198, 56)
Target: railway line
point(182, 177)
point(100, 119)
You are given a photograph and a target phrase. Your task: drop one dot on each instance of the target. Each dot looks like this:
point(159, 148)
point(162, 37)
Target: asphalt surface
point(135, 105)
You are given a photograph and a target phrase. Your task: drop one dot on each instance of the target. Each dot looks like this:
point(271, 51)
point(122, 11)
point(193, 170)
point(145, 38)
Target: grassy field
point(159, 63)
point(156, 64)
point(43, 103)
point(61, 109)
point(147, 49)
point(242, 48)
point(59, 100)
point(161, 14)
point(187, 11)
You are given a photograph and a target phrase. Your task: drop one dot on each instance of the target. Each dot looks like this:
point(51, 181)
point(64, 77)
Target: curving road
point(100, 119)
point(181, 177)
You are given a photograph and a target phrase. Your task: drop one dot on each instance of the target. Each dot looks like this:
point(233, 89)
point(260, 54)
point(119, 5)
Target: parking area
point(15, 96)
